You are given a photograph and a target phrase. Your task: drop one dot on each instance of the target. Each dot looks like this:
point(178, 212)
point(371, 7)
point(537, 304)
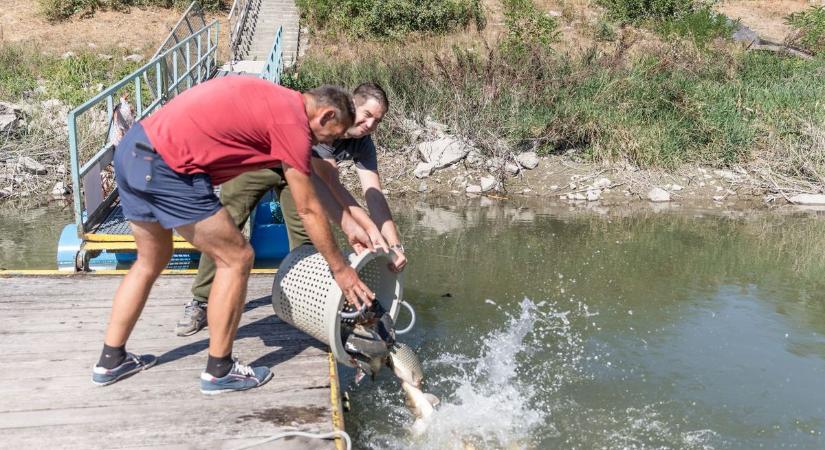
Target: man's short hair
point(372, 90)
point(336, 98)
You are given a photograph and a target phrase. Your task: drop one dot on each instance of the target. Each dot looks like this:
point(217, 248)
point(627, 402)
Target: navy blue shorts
point(150, 191)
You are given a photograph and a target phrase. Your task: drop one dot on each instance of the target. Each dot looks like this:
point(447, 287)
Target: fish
point(407, 367)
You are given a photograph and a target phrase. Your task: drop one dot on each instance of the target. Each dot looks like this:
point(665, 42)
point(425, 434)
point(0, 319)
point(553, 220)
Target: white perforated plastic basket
point(306, 296)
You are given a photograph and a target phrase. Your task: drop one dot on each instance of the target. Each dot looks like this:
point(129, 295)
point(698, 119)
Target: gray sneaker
point(133, 364)
point(194, 319)
point(240, 378)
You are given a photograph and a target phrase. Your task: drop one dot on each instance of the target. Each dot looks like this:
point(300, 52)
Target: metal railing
point(90, 124)
point(275, 61)
point(192, 20)
point(239, 14)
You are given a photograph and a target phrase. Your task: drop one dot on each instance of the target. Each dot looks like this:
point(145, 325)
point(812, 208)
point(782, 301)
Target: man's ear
point(327, 116)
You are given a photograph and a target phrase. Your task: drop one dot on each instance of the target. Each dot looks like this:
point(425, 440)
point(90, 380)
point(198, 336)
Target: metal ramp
point(100, 238)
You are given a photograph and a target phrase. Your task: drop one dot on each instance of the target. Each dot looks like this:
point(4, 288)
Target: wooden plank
point(53, 327)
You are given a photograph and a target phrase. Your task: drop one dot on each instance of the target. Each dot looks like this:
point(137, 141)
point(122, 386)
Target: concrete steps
point(264, 20)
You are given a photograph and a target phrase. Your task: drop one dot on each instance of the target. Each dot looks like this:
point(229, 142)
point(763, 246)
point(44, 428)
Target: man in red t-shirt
point(166, 167)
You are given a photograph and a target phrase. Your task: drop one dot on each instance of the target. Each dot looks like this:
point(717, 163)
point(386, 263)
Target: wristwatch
point(398, 247)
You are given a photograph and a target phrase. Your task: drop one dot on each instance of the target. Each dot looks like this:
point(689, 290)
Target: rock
point(512, 168)
point(676, 188)
point(658, 194)
point(552, 13)
point(134, 58)
point(577, 196)
point(10, 116)
point(473, 158)
point(593, 196)
point(808, 199)
point(488, 184)
point(59, 190)
point(528, 160)
point(6, 192)
point(727, 175)
point(105, 57)
point(67, 55)
point(51, 103)
point(423, 170)
point(435, 127)
point(602, 183)
point(385, 191)
point(495, 164)
point(61, 169)
point(718, 198)
point(554, 187)
point(745, 35)
point(473, 189)
point(29, 165)
point(443, 152)
point(422, 187)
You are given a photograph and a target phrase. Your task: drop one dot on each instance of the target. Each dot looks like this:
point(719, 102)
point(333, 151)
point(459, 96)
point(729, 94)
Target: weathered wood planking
point(51, 332)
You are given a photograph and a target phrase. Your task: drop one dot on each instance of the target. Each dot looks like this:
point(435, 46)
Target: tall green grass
point(73, 80)
point(391, 18)
point(665, 108)
point(810, 25)
point(62, 9)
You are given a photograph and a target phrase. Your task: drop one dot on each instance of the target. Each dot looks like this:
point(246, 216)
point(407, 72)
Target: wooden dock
point(51, 333)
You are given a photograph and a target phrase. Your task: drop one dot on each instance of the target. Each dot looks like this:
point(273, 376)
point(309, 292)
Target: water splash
point(497, 399)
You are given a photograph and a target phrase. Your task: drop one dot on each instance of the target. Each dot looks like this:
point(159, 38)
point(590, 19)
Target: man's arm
point(327, 171)
point(317, 226)
point(357, 237)
point(380, 213)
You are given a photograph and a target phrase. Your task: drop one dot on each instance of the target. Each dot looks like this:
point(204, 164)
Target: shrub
point(701, 24)
point(637, 10)
point(391, 18)
point(62, 9)
point(810, 25)
point(527, 27)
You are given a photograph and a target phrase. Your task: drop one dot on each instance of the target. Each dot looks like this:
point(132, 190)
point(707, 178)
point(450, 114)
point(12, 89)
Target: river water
point(561, 328)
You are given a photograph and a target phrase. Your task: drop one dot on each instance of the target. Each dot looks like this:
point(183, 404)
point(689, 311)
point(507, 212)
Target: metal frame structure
point(274, 62)
point(238, 16)
point(190, 22)
point(199, 54)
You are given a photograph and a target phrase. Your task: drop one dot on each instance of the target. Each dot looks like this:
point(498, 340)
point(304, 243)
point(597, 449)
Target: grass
point(665, 108)
point(810, 28)
point(393, 19)
point(72, 80)
point(63, 9)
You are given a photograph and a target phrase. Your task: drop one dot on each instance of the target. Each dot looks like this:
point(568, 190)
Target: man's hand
point(355, 291)
point(357, 237)
point(400, 260)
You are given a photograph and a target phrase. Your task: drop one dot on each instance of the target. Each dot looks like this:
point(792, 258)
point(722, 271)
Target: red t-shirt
point(231, 125)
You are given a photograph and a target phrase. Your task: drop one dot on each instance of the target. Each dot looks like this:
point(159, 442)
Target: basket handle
point(412, 320)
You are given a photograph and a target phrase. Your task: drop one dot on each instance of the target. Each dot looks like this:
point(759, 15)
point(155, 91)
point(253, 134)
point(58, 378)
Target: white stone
point(808, 199)
point(473, 158)
point(67, 55)
point(528, 160)
point(593, 196)
point(552, 13)
point(473, 189)
point(495, 164)
point(443, 152)
point(134, 58)
point(9, 117)
point(676, 188)
point(488, 184)
point(727, 175)
point(422, 187)
point(718, 198)
point(59, 189)
point(554, 187)
point(29, 165)
point(658, 194)
point(577, 196)
point(512, 168)
point(105, 57)
point(423, 170)
point(434, 126)
point(6, 192)
point(602, 183)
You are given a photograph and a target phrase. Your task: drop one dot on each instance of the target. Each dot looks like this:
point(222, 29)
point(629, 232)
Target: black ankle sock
point(219, 367)
point(112, 357)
